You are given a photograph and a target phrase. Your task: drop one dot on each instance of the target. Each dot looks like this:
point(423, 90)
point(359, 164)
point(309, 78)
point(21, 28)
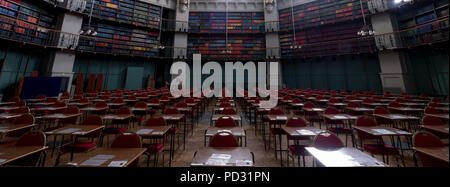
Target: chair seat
point(340, 130)
point(151, 147)
point(298, 150)
point(115, 130)
point(378, 149)
point(8, 143)
point(78, 147)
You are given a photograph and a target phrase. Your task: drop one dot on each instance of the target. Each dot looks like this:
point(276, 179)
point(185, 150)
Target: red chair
point(11, 137)
point(69, 111)
point(433, 121)
point(65, 95)
point(426, 139)
point(297, 149)
point(380, 120)
point(118, 126)
point(155, 121)
point(312, 116)
point(84, 143)
point(424, 96)
point(19, 104)
point(40, 97)
point(225, 121)
point(223, 139)
point(128, 140)
point(394, 104)
point(14, 99)
point(140, 115)
point(23, 110)
point(154, 148)
point(101, 105)
point(379, 148)
point(333, 100)
point(436, 100)
point(33, 138)
point(337, 126)
point(429, 110)
point(228, 111)
point(52, 100)
point(327, 140)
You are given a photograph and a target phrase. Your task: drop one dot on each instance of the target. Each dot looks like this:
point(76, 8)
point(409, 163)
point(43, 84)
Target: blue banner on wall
point(49, 86)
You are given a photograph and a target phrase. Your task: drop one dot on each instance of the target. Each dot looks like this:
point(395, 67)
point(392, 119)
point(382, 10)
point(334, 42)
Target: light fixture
point(402, 1)
point(366, 30)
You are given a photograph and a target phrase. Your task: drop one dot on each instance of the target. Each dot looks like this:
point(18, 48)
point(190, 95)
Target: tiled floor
point(263, 157)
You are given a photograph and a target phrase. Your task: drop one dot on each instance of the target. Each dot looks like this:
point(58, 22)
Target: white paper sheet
point(306, 132)
point(383, 131)
point(118, 163)
point(144, 131)
point(244, 163)
point(2, 160)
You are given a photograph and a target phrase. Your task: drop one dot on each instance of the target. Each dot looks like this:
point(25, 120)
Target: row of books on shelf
point(321, 12)
point(27, 11)
point(127, 11)
point(424, 23)
point(23, 31)
point(221, 22)
point(115, 32)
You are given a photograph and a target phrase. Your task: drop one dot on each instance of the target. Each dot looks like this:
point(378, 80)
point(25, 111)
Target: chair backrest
point(431, 121)
point(429, 110)
point(436, 100)
point(223, 139)
point(296, 101)
point(24, 119)
point(127, 140)
point(155, 121)
point(327, 140)
point(118, 100)
point(171, 111)
point(19, 104)
point(353, 105)
point(365, 122)
point(132, 97)
point(228, 111)
point(105, 97)
point(225, 121)
point(22, 110)
point(52, 100)
point(123, 110)
point(164, 97)
point(276, 111)
point(331, 110)
point(426, 139)
point(309, 105)
point(350, 97)
point(154, 100)
point(84, 100)
point(424, 96)
point(190, 100)
point(181, 105)
point(40, 97)
point(59, 104)
point(394, 104)
point(224, 104)
point(32, 138)
point(367, 100)
point(381, 110)
point(14, 99)
point(333, 100)
point(296, 122)
point(71, 110)
point(101, 104)
point(92, 120)
point(432, 104)
point(140, 105)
